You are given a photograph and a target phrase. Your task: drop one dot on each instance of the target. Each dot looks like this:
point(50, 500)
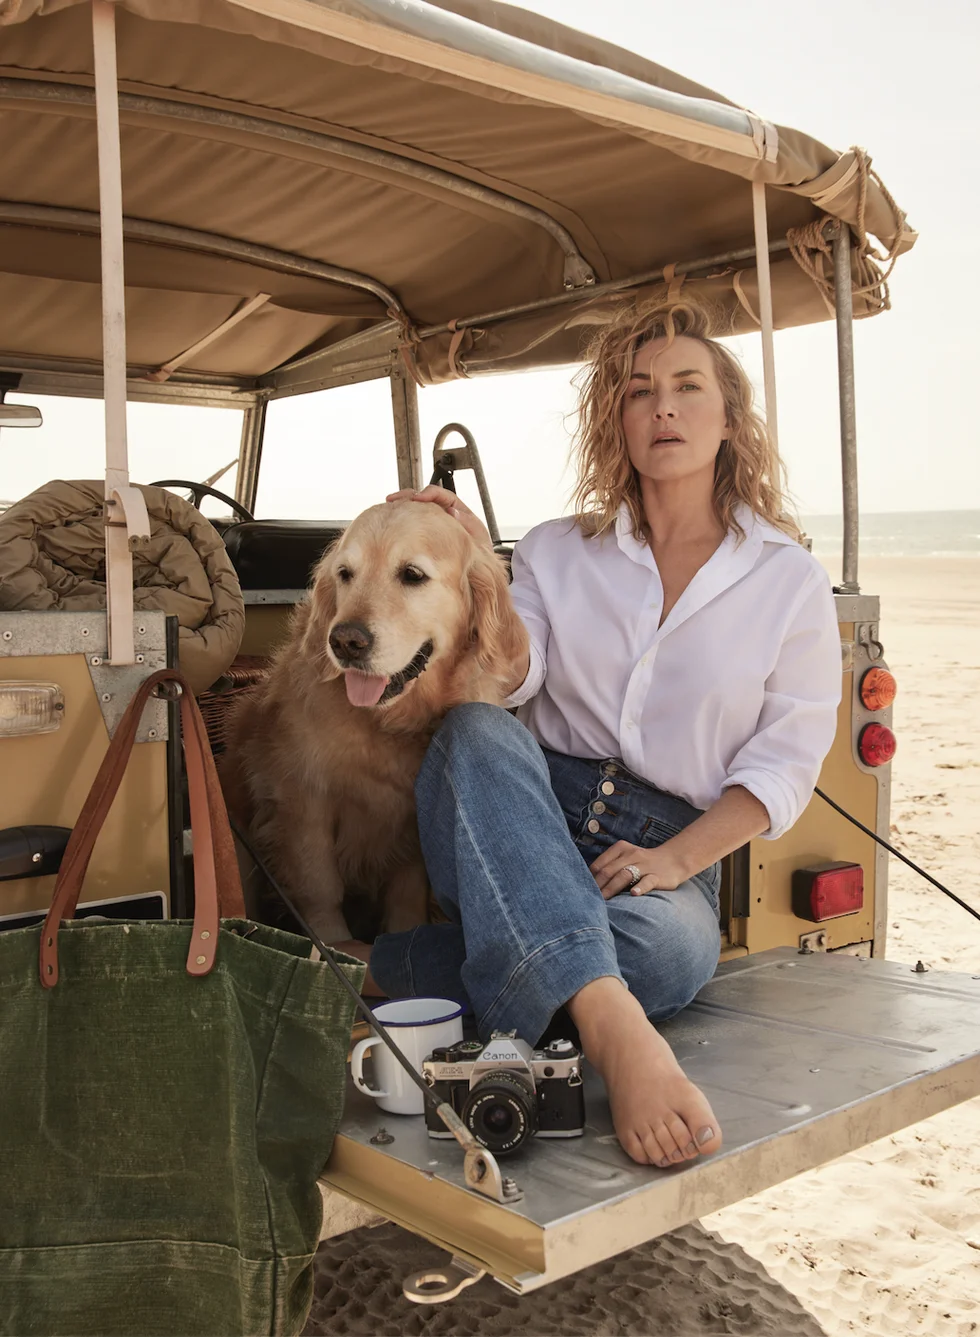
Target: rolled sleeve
point(530, 608)
point(781, 762)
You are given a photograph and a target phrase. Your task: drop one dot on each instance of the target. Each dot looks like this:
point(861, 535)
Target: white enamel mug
point(417, 1026)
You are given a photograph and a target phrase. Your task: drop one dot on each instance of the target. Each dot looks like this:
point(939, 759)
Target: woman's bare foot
point(362, 952)
point(660, 1117)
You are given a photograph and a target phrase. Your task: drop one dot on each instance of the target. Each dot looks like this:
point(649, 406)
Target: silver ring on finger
point(634, 873)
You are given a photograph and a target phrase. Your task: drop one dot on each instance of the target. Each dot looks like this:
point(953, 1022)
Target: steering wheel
point(199, 490)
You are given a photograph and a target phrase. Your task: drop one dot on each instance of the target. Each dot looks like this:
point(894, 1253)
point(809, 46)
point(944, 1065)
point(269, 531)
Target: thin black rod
point(898, 854)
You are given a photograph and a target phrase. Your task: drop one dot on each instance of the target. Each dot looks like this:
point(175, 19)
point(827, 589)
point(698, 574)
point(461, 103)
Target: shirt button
point(645, 660)
point(599, 808)
point(607, 787)
point(631, 724)
point(593, 827)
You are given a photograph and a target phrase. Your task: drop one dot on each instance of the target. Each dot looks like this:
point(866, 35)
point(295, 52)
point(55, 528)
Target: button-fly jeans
point(508, 833)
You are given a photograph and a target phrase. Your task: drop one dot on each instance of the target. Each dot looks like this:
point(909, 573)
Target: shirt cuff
point(775, 795)
point(531, 684)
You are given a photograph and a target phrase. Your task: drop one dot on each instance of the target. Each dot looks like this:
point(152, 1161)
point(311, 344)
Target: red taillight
point(828, 890)
point(878, 689)
point(876, 745)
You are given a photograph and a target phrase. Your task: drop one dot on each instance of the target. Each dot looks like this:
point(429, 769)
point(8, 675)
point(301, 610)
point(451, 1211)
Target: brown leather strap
point(217, 885)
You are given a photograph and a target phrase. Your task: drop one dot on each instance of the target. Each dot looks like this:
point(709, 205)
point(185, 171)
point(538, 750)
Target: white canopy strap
point(765, 305)
point(127, 523)
point(244, 309)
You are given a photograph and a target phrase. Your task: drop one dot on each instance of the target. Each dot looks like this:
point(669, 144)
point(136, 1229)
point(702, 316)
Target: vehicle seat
point(278, 554)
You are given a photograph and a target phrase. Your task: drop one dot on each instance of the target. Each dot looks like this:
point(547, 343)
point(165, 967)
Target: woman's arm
point(738, 816)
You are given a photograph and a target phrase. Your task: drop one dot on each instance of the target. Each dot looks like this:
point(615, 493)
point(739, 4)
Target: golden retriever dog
point(407, 617)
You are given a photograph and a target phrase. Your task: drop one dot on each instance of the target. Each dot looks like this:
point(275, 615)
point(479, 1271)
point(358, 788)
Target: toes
point(671, 1152)
point(708, 1138)
point(682, 1138)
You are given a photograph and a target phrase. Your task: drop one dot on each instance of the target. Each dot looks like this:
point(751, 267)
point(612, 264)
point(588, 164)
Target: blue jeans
point(508, 832)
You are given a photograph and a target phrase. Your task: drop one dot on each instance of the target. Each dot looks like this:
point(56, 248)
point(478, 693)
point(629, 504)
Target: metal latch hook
point(441, 1284)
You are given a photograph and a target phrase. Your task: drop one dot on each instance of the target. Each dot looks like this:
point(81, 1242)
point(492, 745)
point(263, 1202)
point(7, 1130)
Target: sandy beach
point(887, 1240)
point(884, 1241)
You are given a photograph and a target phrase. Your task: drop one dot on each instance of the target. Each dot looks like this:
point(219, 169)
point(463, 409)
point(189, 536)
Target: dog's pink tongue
point(364, 689)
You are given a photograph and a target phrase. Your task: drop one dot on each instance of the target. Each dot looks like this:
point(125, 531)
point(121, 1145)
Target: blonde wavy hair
point(747, 468)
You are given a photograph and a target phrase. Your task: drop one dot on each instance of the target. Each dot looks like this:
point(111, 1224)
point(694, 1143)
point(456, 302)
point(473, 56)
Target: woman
point(679, 696)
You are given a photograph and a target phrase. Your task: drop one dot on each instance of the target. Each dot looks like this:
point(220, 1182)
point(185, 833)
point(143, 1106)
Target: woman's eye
point(345, 575)
point(690, 385)
point(412, 575)
point(637, 394)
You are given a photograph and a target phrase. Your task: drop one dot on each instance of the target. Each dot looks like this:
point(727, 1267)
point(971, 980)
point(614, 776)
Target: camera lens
point(501, 1112)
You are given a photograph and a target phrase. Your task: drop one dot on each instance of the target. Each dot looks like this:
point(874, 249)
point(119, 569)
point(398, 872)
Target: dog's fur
point(326, 788)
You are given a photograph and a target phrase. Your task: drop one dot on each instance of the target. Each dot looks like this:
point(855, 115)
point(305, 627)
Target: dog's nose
point(351, 641)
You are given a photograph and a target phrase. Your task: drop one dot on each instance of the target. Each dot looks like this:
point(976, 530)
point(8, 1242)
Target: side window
point(165, 441)
point(328, 455)
point(522, 424)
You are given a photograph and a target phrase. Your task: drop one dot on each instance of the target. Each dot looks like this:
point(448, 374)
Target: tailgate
point(802, 1057)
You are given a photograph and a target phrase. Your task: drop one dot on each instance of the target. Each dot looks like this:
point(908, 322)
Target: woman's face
point(673, 413)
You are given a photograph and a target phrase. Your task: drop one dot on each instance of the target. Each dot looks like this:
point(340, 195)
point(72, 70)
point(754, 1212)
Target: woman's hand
point(659, 869)
point(452, 505)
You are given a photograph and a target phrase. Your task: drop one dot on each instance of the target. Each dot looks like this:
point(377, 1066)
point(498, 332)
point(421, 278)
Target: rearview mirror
point(19, 415)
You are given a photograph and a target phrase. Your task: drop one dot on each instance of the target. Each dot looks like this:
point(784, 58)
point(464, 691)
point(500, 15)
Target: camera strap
point(480, 1169)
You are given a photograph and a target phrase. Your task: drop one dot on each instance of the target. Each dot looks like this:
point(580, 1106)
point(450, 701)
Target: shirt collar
point(757, 531)
point(734, 558)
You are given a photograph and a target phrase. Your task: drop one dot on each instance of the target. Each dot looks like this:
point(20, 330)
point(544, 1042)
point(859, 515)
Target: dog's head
point(409, 609)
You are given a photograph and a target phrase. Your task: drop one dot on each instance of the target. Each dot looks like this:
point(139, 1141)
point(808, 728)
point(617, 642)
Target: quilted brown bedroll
point(52, 557)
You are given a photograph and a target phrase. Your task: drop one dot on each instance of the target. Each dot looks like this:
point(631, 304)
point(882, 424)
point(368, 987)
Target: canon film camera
point(506, 1092)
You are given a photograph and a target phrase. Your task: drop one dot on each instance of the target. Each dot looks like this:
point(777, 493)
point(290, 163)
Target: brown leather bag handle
point(217, 884)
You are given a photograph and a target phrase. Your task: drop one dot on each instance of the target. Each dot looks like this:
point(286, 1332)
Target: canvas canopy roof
point(352, 177)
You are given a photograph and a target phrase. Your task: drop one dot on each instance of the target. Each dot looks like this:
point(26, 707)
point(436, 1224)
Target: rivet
point(85, 631)
point(141, 630)
point(106, 696)
point(151, 733)
point(8, 635)
point(201, 960)
point(95, 661)
point(205, 934)
point(35, 858)
point(607, 787)
point(814, 1069)
point(139, 659)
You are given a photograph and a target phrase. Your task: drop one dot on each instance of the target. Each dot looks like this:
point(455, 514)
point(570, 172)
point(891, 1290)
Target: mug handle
point(357, 1066)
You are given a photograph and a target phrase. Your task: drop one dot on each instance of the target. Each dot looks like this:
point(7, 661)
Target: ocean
point(901, 534)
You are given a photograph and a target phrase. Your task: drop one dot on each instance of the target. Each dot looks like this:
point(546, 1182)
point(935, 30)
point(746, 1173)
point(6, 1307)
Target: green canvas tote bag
point(169, 1094)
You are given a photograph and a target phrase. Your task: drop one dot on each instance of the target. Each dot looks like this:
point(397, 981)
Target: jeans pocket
point(709, 882)
point(655, 831)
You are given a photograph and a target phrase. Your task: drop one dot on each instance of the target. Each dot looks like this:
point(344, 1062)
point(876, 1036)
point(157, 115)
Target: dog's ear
point(322, 609)
point(499, 633)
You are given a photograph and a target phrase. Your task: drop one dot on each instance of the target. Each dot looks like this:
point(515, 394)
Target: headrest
point(278, 554)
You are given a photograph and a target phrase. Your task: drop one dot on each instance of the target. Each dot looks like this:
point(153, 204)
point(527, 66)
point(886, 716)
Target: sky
point(895, 76)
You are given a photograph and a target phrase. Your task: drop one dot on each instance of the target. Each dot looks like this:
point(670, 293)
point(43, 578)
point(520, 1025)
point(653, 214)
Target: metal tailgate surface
point(802, 1057)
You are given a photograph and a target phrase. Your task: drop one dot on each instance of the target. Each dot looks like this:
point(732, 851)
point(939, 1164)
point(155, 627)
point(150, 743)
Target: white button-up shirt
point(740, 686)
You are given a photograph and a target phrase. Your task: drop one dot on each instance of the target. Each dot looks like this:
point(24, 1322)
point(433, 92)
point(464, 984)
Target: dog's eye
point(412, 575)
point(345, 575)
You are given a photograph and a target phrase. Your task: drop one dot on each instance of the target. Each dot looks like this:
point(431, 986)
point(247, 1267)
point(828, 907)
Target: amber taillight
point(878, 689)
